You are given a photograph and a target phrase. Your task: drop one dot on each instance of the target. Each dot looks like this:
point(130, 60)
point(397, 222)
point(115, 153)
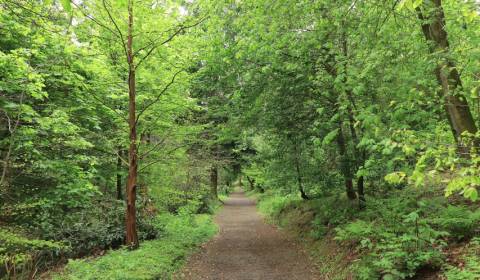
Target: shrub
point(155, 259)
point(21, 257)
point(471, 267)
point(94, 228)
point(272, 205)
point(459, 221)
point(394, 242)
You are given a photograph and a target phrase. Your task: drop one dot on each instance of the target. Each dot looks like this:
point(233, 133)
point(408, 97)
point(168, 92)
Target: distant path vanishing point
point(246, 248)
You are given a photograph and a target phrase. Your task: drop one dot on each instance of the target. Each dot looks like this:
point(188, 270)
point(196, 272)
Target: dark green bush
point(90, 229)
point(155, 259)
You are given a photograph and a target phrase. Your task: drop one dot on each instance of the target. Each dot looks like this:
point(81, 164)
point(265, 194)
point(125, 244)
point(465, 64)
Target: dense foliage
point(122, 120)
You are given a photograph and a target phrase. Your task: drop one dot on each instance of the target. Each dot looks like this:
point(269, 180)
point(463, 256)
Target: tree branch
point(170, 38)
point(122, 38)
point(158, 96)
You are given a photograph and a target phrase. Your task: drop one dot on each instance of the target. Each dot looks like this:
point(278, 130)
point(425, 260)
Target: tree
point(455, 104)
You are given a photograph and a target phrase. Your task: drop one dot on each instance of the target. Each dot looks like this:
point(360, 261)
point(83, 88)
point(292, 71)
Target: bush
point(471, 267)
point(355, 232)
point(155, 259)
point(394, 237)
point(96, 228)
point(272, 205)
point(393, 248)
point(459, 221)
point(21, 257)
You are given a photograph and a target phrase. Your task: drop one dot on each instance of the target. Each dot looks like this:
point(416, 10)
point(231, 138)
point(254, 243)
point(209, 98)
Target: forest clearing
point(240, 139)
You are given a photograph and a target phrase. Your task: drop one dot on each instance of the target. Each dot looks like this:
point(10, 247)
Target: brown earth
point(246, 248)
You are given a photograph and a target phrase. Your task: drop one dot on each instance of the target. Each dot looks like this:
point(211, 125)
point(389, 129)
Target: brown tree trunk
point(455, 104)
point(131, 238)
point(361, 193)
point(214, 182)
point(345, 165)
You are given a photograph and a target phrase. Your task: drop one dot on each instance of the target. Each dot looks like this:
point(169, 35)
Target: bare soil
point(247, 248)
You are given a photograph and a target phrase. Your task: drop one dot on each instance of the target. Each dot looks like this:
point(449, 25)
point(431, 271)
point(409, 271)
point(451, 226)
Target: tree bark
point(214, 182)
point(351, 108)
point(131, 238)
point(345, 165)
point(455, 104)
point(361, 193)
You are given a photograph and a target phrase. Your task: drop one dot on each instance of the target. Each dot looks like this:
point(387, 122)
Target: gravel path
point(246, 248)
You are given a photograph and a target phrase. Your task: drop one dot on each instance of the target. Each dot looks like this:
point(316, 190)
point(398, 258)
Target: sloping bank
point(407, 236)
point(155, 259)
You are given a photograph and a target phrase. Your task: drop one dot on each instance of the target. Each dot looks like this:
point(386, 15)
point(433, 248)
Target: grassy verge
point(155, 259)
point(400, 237)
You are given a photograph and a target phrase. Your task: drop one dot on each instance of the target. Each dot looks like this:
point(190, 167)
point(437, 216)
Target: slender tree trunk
point(119, 175)
point(214, 182)
point(455, 104)
point(131, 239)
point(299, 174)
point(351, 108)
point(358, 153)
point(251, 181)
point(345, 165)
point(361, 193)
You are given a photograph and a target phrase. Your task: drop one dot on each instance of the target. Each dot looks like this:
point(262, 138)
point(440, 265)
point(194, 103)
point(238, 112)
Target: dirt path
point(246, 248)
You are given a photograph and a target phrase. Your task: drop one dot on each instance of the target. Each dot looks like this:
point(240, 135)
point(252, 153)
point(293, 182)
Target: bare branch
point(96, 21)
point(116, 27)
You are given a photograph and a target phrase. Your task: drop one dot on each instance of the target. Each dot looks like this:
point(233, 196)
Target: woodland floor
point(246, 248)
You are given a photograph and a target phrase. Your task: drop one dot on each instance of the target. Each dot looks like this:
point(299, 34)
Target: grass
point(155, 259)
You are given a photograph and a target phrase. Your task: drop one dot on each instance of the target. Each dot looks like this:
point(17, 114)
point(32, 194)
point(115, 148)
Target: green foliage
point(459, 221)
point(339, 96)
point(20, 256)
point(394, 251)
point(156, 259)
point(471, 264)
point(272, 205)
point(393, 237)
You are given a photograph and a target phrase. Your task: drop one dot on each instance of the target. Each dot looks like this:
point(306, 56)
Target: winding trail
point(246, 248)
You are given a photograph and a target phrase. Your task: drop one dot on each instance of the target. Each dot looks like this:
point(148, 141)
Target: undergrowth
point(155, 259)
point(397, 237)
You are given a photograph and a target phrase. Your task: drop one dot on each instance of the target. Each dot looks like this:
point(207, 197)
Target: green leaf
point(471, 193)
point(330, 136)
point(395, 177)
point(66, 5)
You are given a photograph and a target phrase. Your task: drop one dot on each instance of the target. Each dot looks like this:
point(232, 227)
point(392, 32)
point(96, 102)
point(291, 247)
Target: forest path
point(246, 248)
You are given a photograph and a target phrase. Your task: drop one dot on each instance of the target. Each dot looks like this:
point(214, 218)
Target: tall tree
point(456, 106)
